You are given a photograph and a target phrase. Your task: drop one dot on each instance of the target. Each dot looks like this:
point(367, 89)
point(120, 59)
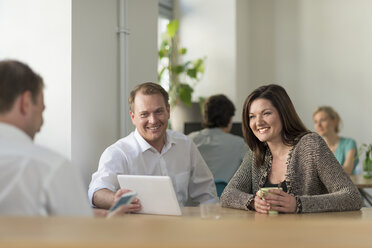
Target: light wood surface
point(235, 228)
point(361, 182)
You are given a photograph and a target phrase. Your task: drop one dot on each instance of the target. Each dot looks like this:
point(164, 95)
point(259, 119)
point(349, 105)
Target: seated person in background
point(223, 152)
point(286, 154)
point(153, 150)
point(33, 179)
point(326, 123)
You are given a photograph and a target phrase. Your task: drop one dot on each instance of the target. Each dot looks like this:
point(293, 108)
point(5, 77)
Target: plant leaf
point(161, 54)
point(185, 94)
point(178, 69)
point(192, 72)
point(183, 51)
point(199, 65)
point(160, 74)
point(172, 28)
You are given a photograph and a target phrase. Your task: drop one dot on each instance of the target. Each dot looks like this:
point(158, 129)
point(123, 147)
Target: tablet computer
point(156, 193)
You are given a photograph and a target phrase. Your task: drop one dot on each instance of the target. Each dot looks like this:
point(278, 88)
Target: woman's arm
point(349, 161)
point(238, 192)
point(342, 194)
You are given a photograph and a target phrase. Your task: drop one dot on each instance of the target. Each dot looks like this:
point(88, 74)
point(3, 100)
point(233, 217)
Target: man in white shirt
point(153, 150)
point(33, 179)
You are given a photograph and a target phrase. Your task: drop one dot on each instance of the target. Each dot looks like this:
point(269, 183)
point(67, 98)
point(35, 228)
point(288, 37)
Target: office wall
point(207, 28)
point(319, 50)
point(95, 114)
point(95, 72)
point(38, 33)
point(74, 46)
point(143, 49)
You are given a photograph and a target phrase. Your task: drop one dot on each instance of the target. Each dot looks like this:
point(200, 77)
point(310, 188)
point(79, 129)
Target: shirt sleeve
point(110, 165)
point(65, 192)
point(201, 186)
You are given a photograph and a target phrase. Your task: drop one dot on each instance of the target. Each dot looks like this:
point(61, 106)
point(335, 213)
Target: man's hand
point(134, 206)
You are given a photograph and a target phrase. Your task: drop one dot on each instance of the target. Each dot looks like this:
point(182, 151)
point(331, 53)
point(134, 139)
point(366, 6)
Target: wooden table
point(235, 228)
point(363, 183)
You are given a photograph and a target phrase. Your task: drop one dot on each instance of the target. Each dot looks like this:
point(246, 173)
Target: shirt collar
point(12, 132)
point(144, 145)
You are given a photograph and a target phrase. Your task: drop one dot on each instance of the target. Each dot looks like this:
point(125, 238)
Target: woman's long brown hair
point(292, 126)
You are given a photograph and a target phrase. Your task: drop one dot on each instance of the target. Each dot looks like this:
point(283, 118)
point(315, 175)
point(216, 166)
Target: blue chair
point(220, 186)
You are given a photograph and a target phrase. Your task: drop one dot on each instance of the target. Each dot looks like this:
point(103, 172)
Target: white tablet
point(156, 193)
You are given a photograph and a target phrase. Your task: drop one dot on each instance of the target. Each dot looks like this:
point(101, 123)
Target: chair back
point(220, 186)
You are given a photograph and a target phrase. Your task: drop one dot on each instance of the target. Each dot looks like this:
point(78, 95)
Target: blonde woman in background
point(327, 124)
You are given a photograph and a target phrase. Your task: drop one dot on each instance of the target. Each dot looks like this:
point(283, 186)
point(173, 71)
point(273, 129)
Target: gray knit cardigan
point(313, 176)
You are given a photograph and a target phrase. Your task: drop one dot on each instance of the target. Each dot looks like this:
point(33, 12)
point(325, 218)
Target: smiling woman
point(287, 156)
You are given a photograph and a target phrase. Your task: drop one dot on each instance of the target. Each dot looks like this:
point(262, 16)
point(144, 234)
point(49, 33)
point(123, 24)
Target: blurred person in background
point(327, 124)
point(222, 151)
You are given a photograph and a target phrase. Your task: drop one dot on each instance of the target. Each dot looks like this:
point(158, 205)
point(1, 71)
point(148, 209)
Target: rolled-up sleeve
point(110, 165)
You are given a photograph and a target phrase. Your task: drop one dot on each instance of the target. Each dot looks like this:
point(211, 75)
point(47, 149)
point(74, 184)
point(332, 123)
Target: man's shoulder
point(234, 137)
point(178, 136)
point(48, 154)
point(194, 135)
point(128, 142)
point(40, 155)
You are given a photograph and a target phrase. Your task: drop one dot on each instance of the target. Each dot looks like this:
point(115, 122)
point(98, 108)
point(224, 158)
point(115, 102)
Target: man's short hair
point(148, 88)
point(15, 79)
point(218, 110)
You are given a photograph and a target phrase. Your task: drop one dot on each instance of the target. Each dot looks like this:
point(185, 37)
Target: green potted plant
point(367, 163)
point(182, 76)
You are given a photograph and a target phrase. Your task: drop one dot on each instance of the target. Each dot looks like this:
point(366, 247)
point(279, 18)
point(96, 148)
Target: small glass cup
point(210, 210)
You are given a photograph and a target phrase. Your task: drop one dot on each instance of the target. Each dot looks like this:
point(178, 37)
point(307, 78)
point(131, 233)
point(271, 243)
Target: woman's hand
point(261, 205)
point(281, 201)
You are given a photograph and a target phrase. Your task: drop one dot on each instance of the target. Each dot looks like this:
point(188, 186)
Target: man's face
point(150, 117)
point(35, 119)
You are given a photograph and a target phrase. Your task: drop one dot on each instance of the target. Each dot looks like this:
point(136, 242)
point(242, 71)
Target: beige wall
point(207, 28)
point(95, 115)
point(42, 39)
point(319, 50)
point(95, 72)
point(74, 45)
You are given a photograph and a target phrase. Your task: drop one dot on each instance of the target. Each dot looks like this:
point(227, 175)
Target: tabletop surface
point(235, 228)
point(361, 182)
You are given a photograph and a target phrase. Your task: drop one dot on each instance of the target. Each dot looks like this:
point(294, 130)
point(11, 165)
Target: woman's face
point(264, 121)
point(323, 124)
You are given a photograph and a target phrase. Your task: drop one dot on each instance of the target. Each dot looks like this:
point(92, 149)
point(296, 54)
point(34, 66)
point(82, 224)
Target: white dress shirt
point(179, 159)
point(37, 181)
point(223, 152)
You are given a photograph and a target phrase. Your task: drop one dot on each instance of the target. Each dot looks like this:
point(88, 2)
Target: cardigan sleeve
point(238, 193)
point(341, 193)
